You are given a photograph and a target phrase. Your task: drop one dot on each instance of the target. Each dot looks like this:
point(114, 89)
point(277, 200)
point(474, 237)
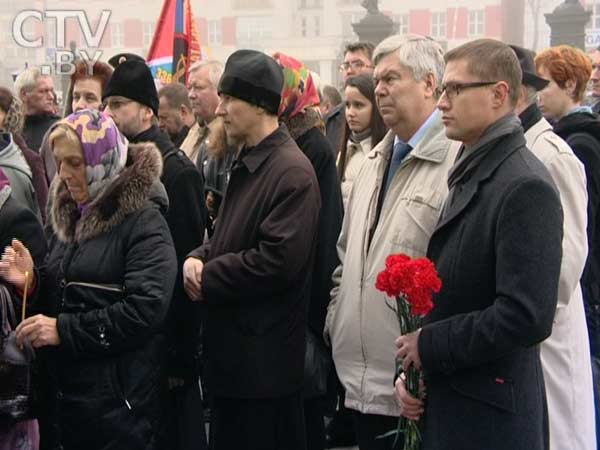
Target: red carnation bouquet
point(412, 283)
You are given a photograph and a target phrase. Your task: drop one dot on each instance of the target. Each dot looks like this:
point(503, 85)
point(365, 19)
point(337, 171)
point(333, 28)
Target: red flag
point(175, 45)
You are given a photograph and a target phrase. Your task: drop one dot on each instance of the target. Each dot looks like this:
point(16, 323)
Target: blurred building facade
point(314, 31)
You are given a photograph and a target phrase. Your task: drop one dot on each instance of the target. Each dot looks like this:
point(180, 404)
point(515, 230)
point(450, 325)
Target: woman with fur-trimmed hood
point(106, 289)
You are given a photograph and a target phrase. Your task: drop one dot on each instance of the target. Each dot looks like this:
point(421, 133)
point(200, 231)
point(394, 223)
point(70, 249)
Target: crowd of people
point(200, 261)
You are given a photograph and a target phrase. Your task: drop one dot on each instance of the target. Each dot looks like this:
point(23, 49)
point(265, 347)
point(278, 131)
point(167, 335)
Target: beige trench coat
point(360, 326)
point(566, 353)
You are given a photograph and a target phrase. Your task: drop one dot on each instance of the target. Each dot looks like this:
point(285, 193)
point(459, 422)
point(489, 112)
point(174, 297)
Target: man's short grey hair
point(27, 80)
point(215, 70)
point(420, 54)
point(531, 95)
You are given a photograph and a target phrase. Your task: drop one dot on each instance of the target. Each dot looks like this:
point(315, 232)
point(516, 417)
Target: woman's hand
point(39, 330)
point(16, 260)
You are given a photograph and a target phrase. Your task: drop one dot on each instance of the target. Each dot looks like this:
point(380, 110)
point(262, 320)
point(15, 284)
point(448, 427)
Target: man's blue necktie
point(400, 151)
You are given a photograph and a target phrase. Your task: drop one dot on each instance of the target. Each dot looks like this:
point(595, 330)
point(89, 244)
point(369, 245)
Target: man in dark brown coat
point(254, 276)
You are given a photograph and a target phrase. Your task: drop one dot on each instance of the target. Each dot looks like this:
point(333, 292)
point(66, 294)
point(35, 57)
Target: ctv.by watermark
point(63, 63)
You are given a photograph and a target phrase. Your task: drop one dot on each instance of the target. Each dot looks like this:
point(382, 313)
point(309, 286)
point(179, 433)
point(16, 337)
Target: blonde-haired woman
point(107, 285)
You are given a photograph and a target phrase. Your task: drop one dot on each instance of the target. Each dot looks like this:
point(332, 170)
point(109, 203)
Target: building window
point(148, 33)
point(594, 22)
point(402, 21)
point(308, 4)
point(251, 29)
point(214, 32)
point(252, 4)
point(438, 25)
point(116, 35)
point(476, 19)
point(6, 37)
point(310, 26)
point(50, 36)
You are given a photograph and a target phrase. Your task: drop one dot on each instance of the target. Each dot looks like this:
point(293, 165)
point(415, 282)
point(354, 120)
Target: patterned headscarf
point(104, 147)
point(299, 89)
point(13, 121)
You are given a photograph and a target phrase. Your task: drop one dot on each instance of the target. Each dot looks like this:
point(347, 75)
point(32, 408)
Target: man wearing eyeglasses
point(357, 61)
point(497, 249)
point(395, 204)
point(594, 85)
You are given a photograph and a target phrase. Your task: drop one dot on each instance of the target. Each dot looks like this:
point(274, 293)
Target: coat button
point(63, 283)
point(59, 395)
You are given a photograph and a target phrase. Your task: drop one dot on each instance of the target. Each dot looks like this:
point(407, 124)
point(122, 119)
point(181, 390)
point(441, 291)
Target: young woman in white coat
point(364, 129)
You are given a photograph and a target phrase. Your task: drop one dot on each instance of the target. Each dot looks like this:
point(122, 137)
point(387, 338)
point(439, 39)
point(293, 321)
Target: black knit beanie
point(253, 77)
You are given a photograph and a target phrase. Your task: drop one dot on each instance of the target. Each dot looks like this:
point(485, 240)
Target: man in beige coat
point(393, 208)
point(565, 354)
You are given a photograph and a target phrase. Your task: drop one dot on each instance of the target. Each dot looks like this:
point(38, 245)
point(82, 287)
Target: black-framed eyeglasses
point(115, 104)
point(356, 65)
point(452, 90)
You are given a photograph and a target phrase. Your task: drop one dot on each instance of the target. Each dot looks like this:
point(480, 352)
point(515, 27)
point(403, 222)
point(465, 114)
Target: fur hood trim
point(128, 193)
point(301, 123)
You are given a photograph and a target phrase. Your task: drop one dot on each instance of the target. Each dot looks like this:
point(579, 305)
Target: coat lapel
point(462, 199)
point(468, 191)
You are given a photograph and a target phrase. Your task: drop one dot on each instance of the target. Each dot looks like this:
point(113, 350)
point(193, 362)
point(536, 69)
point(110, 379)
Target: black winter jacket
point(318, 150)
point(35, 128)
point(187, 220)
point(582, 133)
point(109, 279)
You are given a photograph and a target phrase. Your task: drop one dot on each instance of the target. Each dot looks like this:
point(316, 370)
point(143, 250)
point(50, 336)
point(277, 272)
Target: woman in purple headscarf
point(19, 227)
point(105, 290)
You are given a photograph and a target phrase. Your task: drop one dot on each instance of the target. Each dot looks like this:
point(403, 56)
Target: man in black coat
point(175, 114)
point(132, 101)
point(255, 275)
point(498, 249)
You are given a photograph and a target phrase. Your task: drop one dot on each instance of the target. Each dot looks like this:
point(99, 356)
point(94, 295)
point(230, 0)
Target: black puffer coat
point(582, 133)
point(187, 221)
point(109, 279)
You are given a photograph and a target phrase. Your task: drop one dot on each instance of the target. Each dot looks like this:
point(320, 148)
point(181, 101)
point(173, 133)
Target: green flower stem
point(409, 428)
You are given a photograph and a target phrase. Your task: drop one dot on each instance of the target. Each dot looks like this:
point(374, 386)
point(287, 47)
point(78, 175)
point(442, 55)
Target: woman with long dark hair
point(364, 129)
